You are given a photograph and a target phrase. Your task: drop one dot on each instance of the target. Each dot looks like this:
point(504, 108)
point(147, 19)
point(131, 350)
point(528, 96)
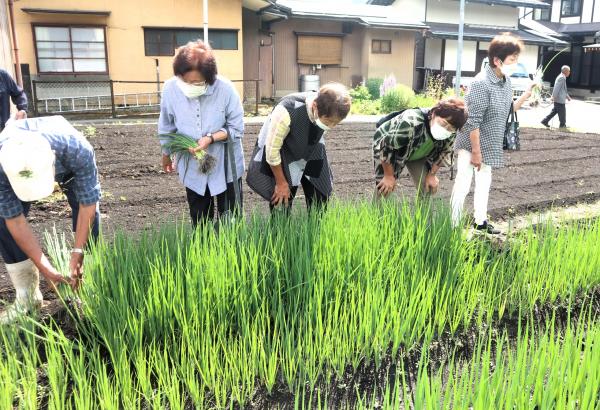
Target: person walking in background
point(479, 142)
point(560, 96)
point(9, 89)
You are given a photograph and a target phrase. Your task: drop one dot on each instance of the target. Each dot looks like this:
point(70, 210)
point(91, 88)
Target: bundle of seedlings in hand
point(180, 145)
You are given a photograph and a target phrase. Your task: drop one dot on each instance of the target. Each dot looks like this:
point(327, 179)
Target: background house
point(484, 19)
point(348, 44)
point(576, 22)
point(79, 46)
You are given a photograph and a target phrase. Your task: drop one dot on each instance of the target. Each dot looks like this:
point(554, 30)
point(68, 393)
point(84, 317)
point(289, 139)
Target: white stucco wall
point(556, 10)
point(447, 11)
point(433, 53)
point(413, 9)
point(586, 12)
point(529, 57)
point(469, 55)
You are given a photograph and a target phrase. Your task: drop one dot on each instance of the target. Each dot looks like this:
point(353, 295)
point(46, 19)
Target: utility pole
point(459, 48)
point(18, 75)
point(205, 15)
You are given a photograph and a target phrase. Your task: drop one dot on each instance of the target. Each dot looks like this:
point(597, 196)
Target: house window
point(381, 46)
point(69, 50)
point(163, 42)
point(570, 8)
point(543, 14)
point(320, 49)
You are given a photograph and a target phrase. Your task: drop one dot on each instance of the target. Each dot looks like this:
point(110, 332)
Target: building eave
point(100, 13)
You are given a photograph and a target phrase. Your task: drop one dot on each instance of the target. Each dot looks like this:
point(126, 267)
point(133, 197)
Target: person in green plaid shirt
point(420, 140)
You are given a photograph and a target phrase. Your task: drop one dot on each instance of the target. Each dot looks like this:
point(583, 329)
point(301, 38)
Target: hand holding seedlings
point(281, 194)
point(186, 146)
point(203, 144)
point(386, 185)
point(54, 279)
point(431, 183)
point(76, 269)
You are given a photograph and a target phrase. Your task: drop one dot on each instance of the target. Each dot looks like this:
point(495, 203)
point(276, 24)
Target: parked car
point(520, 79)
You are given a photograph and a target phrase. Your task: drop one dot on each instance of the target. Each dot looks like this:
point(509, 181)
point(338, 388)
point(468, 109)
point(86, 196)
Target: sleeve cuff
point(12, 212)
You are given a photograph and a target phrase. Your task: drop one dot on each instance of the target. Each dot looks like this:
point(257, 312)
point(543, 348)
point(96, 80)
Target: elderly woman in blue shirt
point(199, 103)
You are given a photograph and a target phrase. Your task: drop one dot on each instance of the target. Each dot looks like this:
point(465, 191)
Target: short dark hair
point(333, 101)
point(196, 55)
point(453, 110)
point(504, 45)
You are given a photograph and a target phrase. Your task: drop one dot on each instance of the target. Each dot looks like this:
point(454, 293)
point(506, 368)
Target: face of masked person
point(509, 66)
point(191, 90)
point(441, 129)
point(323, 122)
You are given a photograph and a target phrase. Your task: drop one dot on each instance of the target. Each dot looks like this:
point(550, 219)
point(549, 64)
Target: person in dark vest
point(290, 150)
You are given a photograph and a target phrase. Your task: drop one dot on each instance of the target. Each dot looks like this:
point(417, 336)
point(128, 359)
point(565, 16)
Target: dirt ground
point(552, 169)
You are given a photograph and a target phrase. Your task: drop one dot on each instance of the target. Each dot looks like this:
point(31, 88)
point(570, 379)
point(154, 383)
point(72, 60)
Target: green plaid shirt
point(397, 139)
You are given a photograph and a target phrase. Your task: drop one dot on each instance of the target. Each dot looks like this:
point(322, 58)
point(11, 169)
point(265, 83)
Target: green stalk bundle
point(180, 144)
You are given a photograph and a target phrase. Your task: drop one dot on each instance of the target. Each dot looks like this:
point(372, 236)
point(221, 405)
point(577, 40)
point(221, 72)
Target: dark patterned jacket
point(398, 138)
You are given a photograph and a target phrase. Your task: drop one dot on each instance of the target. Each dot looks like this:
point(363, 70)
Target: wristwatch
point(212, 139)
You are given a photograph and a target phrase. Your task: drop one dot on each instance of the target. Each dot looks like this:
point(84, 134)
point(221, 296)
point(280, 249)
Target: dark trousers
point(313, 197)
point(202, 207)
point(10, 251)
point(561, 110)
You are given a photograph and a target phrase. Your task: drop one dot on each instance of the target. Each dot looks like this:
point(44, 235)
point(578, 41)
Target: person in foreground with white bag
point(34, 154)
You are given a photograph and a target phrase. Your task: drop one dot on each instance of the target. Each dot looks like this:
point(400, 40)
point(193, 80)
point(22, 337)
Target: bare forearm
point(474, 137)
point(521, 101)
point(278, 174)
point(220, 136)
point(388, 169)
point(85, 220)
point(434, 169)
point(27, 242)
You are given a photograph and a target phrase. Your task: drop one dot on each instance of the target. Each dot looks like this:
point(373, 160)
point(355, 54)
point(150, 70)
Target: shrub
point(389, 82)
point(423, 101)
point(374, 86)
point(436, 86)
point(360, 93)
point(366, 107)
point(396, 99)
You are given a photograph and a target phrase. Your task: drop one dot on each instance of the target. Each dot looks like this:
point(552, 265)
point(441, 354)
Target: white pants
point(462, 186)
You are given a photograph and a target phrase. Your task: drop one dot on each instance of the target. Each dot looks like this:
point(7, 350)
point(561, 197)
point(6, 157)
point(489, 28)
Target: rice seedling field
point(360, 307)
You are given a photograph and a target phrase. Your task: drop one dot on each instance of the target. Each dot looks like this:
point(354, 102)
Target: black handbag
point(512, 142)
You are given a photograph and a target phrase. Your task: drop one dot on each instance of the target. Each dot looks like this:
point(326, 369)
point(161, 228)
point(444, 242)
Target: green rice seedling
point(197, 318)
point(180, 144)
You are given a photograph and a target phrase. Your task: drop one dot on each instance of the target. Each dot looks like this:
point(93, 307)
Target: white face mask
point(508, 69)
point(190, 90)
point(440, 133)
point(319, 122)
point(321, 125)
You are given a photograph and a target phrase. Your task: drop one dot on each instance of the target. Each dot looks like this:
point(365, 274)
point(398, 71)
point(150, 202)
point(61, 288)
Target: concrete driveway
point(581, 117)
